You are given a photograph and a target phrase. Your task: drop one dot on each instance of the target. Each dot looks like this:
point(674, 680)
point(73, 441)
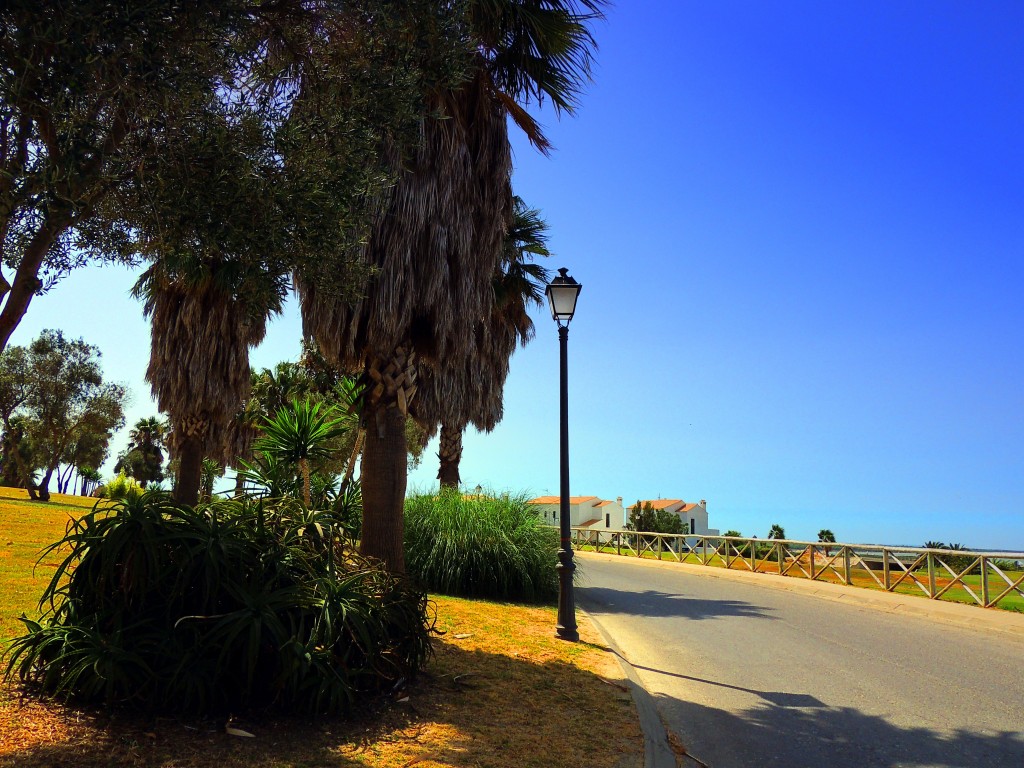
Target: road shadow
point(800, 731)
point(657, 604)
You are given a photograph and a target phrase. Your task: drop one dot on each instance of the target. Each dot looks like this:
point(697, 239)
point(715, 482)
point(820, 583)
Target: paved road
point(746, 675)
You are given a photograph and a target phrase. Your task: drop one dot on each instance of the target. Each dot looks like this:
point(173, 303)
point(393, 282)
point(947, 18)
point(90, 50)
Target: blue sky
point(798, 226)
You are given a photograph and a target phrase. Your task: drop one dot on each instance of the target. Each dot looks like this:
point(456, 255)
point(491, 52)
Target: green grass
point(26, 528)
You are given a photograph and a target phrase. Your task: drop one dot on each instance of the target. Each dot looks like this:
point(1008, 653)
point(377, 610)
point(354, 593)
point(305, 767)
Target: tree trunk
point(304, 471)
point(383, 478)
point(43, 487)
point(449, 454)
point(190, 470)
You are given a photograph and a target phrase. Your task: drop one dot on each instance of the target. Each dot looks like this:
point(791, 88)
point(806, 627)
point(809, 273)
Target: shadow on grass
point(470, 707)
point(794, 729)
point(663, 604)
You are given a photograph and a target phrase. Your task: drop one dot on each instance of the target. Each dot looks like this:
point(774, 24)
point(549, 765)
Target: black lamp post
point(562, 293)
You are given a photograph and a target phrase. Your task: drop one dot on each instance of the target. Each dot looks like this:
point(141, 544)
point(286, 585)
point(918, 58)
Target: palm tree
point(777, 532)
point(438, 238)
point(205, 317)
point(826, 536)
point(302, 432)
point(143, 457)
point(474, 392)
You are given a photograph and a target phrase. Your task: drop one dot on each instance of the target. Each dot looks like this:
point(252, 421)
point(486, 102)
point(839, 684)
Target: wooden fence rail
point(985, 578)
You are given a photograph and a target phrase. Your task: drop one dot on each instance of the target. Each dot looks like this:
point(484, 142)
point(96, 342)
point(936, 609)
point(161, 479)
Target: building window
point(607, 520)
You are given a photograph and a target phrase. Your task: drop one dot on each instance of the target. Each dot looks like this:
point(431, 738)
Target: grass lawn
point(501, 691)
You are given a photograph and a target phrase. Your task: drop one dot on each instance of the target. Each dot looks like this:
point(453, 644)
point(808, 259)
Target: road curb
point(968, 616)
point(657, 751)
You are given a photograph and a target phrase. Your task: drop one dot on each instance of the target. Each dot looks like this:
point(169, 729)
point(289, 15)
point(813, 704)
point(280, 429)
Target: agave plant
point(224, 606)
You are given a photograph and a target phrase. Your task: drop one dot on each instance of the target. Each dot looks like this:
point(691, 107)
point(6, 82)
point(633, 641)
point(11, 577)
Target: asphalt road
point(747, 675)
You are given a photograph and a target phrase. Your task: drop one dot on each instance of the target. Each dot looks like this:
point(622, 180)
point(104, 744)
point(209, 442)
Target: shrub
point(224, 606)
point(119, 488)
point(482, 546)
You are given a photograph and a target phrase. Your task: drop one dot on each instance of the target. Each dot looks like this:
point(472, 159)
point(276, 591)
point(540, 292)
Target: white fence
point(986, 578)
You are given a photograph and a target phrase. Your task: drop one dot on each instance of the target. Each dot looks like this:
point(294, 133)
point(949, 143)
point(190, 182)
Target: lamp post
point(562, 293)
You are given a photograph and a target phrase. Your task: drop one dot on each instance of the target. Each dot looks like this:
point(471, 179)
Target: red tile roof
point(574, 500)
point(661, 503)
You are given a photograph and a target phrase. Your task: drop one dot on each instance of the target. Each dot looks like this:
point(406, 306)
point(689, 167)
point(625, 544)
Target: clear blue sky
point(799, 230)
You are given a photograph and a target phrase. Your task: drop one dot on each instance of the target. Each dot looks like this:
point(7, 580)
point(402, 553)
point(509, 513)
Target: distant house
point(584, 512)
point(694, 515)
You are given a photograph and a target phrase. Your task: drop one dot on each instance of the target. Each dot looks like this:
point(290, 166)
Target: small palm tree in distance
point(302, 432)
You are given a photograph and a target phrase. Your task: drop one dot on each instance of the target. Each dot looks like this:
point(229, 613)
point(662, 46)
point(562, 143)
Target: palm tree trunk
point(383, 477)
point(190, 470)
point(449, 454)
point(304, 471)
point(384, 468)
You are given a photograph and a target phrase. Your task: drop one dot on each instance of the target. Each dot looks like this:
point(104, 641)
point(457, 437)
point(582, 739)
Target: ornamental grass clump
point(480, 546)
point(219, 608)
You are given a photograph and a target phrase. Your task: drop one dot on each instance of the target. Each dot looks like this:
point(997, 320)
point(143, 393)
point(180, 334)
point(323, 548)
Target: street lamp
point(562, 293)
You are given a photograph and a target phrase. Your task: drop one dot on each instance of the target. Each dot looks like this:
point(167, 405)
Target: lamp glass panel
point(563, 300)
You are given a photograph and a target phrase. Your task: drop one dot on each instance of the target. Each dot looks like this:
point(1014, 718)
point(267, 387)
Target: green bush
point(119, 488)
point(225, 606)
point(480, 546)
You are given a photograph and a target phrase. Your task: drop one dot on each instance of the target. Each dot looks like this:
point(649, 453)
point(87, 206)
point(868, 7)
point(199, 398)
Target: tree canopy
point(67, 412)
point(644, 517)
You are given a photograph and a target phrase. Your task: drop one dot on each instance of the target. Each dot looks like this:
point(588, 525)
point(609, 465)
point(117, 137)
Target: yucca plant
point(225, 606)
point(480, 546)
point(302, 433)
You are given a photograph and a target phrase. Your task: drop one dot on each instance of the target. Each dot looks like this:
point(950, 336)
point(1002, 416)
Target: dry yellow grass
point(501, 691)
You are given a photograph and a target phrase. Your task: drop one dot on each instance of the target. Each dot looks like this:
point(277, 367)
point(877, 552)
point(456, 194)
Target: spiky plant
point(303, 432)
point(216, 609)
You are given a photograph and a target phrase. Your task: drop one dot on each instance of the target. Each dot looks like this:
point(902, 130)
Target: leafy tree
point(89, 449)
point(826, 536)
point(644, 517)
point(86, 90)
point(17, 467)
point(67, 404)
point(90, 478)
point(280, 172)
point(777, 532)
point(731, 532)
point(437, 240)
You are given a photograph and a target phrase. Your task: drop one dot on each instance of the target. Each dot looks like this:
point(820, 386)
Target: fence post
point(885, 568)
point(704, 551)
point(753, 557)
point(661, 546)
point(931, 576)
point(781, 557)
point(984, 582)
point(846, 566)
point(810, 560)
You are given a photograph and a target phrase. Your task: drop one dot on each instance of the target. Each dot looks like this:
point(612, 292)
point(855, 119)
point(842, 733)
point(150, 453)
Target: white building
point(693, 515)
point(599, 514)
point(584, 512)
